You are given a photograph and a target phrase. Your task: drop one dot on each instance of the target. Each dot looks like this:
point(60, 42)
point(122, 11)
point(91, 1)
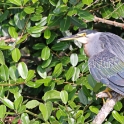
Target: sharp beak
point(73, 37)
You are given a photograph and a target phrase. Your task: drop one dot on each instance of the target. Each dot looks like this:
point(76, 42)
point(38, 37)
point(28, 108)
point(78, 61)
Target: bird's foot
point(108, 90)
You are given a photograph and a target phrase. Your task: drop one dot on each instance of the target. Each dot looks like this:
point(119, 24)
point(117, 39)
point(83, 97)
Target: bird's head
point(81, 36)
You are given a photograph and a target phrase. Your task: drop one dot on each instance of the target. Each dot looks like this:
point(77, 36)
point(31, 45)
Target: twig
point(117, 24)
point(107, 107)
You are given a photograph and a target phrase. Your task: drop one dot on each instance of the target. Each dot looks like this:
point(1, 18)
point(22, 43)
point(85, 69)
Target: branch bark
point(114, 23)
point(107, 107)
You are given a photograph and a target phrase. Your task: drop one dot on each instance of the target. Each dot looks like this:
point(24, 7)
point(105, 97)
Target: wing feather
point(108, 69)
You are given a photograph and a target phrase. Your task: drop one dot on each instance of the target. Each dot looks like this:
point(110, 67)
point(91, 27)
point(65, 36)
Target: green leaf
point(35, 29)
point(25, 118)
point(57, 70)
point(69, 73)
point(76, 74)
point(51, 39)
point(47, 34)
point(29, 10)
point(41, 72)
point(16, 2)
point(118, 117)
point(45, 54)
point(51, 95)
point(39, 46)
point(77, 22)
point(118, 106)
point(30, 75)
point(65, 1)
point(82, 97)
point(13, 72)
point(23, 70)
point(20, 23)
point(2, 111)
point(94, 109)
point(65, 24)
point(46, 109)
point(64, 96)
point(2, 60)
point(18, 103)
point(8, 103)
point(60, 46)
point(4, 72)
point(16, 54)
point(47, 62)
point(32, 104)
point(91, 81)
point(74, 59)
point(86, 15)
point(87, 2)
point(12, 32)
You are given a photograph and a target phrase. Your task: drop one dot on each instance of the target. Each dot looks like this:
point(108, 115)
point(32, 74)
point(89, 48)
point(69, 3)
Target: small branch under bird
point(106, 57)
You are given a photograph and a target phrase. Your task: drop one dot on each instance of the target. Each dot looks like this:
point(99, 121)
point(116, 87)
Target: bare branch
point(107, 107)
point(116, 24)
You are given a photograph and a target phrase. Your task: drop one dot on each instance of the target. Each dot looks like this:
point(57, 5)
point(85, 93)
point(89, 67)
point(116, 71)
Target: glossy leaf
point(65, 1)
point(76, 74)
point(47, 34)
point(2, 60)
point(20, 23)
point(16, 2)
point(18, 103)
point(91, 81)
point(87, 2)
point(64, 96)
point(30, 75)
point(25, 118)
point(41, 72)
point(4, 72)
point(51, 39)
point(57, 70)
point(29, 10)
point(82, 97)
point(77, 22)
point(118, 117)
point(86, 15)
point(13, 72)
point(12, 32)
point(32, 104)
point(51, 95)
point(60, 46)
point(23, 70)
point(69, 73)
point(46, 109)
point(118, 106)
point(45, 54)
point(2, 111)
point(16, 54)
point(47, 62)
point(35, 29)
point(65, 24)
point(94, 109)
point(74, 59)
point(8, 103)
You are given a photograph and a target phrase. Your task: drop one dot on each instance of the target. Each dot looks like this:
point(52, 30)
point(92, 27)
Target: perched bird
point(106, 57)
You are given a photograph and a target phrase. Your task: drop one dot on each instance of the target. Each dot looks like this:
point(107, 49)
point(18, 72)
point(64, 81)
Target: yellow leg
point(107, 90)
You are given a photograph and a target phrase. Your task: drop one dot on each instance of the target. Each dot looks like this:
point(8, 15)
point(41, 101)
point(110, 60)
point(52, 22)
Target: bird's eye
point(81, 34)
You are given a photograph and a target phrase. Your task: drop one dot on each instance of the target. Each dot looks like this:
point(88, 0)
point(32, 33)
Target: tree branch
point(107, 107)
point(116, 24)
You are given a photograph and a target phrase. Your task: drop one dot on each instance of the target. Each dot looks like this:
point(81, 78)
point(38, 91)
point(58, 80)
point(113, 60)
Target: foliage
point(41, 80)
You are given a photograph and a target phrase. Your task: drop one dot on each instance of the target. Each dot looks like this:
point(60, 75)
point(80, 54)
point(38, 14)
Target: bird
point(106, 56)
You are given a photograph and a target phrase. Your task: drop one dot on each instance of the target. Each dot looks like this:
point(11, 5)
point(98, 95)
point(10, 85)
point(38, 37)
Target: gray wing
point(108, 69)
point(114, 43)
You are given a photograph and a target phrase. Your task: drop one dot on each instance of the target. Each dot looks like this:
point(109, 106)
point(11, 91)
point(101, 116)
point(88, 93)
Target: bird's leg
point(107, 90)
